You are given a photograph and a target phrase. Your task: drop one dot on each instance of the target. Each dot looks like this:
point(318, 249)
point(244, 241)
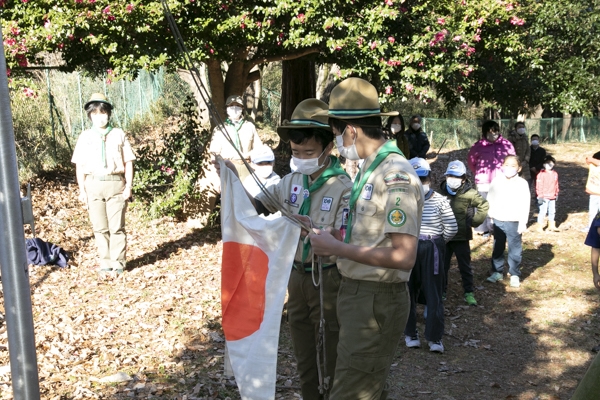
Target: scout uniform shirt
point(244, 135)
point(88, 152)
point(327, 207)
point(391, 201)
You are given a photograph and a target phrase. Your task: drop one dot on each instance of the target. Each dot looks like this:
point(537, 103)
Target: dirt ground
point(159, 324)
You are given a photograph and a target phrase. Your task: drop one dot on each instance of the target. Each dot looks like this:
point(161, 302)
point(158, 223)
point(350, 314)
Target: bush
point(166, 173)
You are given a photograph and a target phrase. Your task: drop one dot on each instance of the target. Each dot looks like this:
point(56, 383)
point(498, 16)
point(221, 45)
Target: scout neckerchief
point(237, 126)
point(388, 148)
point(103, 138)
point(334, 169)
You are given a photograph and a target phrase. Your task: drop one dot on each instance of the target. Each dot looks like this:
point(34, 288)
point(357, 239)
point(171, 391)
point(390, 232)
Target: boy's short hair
point(596, 155)
point(371, 126)
point(535, 135)
point(550, 158)
point(489, 126)
point(519, 123)
point(322, 136)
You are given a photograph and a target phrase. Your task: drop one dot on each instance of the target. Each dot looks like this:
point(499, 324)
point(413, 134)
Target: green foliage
point(166, 173)
point(513, 55)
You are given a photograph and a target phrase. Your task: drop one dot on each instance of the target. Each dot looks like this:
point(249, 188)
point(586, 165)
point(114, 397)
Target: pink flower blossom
point(106, 10)
point(477, 38)
point(243, 26)
point(470, 51)
point(391, 39)
point(224, 7)
point(463, 3)
point(480, 21)
point(259, 24)
point(78, 1)
point(9, 42)
point(372, 45)
point(389, 3)
point(409, 87)
point(517, 21)
point(2, 3)
point(301, 18)
point(459, 88)
point(129, 8)
point(338, 48)
point(92, 1)
point(421, 64)
point(360, 41)
point(25, 1)
point(111, 18)
point(15, 31)
point(28, 91)
point(47, 24)
point(388, 90)
point(497, 21)
point(49, 37)
point(456, 38)
point(441, 21)
point(509, 7)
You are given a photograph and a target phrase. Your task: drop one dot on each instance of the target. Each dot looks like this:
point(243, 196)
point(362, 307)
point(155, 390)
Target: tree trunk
point(566, 123)
point(298, 82)
point(186, 76)
point(217, 87)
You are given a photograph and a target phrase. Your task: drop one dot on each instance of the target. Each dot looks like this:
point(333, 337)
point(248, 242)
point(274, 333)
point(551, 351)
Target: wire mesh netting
point(47, 123)
point(460, 134)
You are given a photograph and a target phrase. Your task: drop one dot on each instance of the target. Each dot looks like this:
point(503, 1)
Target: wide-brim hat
point(354, 98)
point(303, 118)
point(234, 99)
point(97, 98)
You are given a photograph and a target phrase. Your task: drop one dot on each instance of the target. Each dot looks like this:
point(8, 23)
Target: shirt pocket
point(367, 209)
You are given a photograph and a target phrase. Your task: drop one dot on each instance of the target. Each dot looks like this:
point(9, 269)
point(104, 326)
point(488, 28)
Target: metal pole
point(50, 100)
point(13, 259)
point(80, 103)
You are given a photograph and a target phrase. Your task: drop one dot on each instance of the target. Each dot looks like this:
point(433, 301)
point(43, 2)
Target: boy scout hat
point(262, 154)
point(456, 168)
point(97, 98)
point(234, 99)
point(354, 98)
point(421, 166)
point(304, 117)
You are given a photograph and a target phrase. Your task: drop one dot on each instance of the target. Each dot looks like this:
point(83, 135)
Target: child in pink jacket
point(546, 188)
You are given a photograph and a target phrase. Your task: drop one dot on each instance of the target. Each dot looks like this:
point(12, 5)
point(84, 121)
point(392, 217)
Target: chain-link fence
point(48, 121)
point(460, 134)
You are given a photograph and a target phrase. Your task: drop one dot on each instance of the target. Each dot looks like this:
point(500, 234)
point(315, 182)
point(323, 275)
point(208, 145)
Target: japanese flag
point(258, 253)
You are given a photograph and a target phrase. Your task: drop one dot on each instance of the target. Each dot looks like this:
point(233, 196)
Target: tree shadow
point(197, 237)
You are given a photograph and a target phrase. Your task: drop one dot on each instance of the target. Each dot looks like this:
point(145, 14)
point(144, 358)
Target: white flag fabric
point(258, 253)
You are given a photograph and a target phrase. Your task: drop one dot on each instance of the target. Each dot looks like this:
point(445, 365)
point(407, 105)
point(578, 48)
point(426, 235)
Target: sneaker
point(444, 296)
point(436, 347)
point(470, 299)
point(515, 281)
point(585, 230)
point(412, 342)
point(495, 277)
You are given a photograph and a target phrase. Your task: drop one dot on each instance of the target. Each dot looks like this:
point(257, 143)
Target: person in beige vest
point(379, 248)
point(104, 166)
point(241, 131)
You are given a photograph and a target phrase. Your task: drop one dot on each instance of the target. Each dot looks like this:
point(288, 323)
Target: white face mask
point(521, 131)
point(395, 128)
point(426, 188)
point(453, 183)
point(535, 142)
point(263, 171)
point(234, 113)
point(293, 167)
point(99, 120)
point(308, 166)
point(548, 167)
point(492, 137)
point(415, 126)
point(349, 153)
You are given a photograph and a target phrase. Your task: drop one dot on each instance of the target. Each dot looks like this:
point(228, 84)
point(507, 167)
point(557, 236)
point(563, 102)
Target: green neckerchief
point(237, 126)
point(103, 138)
point(360, 181)
point(334, 169)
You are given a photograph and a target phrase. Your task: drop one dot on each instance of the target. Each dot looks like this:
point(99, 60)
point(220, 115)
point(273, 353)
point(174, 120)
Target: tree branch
point(253, 76)
point(284, 57)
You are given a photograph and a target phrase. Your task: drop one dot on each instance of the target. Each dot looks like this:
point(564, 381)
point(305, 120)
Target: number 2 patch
point(326, 203)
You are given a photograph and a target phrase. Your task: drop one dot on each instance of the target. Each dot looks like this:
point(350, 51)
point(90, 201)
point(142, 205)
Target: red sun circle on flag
point(243, 281)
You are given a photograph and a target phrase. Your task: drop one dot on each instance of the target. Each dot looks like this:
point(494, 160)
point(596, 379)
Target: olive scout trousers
point(106, 207)
point(304, 314)
point(372, 317)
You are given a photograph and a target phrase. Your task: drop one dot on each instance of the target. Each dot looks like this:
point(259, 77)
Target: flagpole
point(13, 259)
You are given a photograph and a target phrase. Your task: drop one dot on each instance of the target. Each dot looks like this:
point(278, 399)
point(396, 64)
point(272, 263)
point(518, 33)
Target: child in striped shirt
point(438, 226)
